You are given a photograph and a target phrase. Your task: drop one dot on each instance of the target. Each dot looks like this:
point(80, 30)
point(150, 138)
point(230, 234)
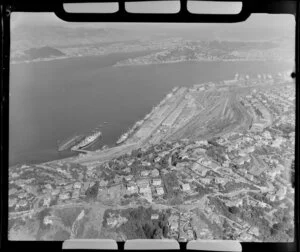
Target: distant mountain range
point(48, 42)
point(26, 37)
point(215, 50)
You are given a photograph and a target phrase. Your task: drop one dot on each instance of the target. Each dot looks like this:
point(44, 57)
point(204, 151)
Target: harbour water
point(50, 101)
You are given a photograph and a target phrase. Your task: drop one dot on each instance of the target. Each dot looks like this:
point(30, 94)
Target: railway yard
point(201, 112)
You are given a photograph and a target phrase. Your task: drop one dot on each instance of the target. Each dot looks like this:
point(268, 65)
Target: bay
point(52, 100)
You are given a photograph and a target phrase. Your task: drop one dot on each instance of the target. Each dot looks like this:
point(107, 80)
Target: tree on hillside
point(175, 158)
point(291, 232)
point(164, 162)
point(233, 210)
point(92, 192)
point(158, 233)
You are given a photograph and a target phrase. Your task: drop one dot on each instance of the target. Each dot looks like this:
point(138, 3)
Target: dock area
point(70, 142)
point(204, 110)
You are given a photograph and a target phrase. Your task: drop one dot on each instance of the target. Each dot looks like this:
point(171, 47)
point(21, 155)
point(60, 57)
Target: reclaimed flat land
point(186, 113)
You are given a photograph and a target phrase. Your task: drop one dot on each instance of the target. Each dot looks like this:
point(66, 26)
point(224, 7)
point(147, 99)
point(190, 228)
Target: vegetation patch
point(139, 224)
point(61, 235)
point(68, 215)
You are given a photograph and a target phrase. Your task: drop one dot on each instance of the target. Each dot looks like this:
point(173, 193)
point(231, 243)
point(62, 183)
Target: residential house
point(47, 201)
point(132, 188)
point(75, 194)
point(14, 175)
point(64, 196)
point(12, 202)
point(267, 135)
point(47, 220)
point(271, 197)
point(55, 192)
point(146, 163)
point(254, 231)
point(262, 204)
point(77, 185)
point(208, 210)
point(242, 171)
point(236, 202)
point(48, 186)
point(186, 187)
point(117, 179)
point(202, 142)
point(148, 195)
point(213, 165)
point(164, 171)
point(22, 203)
point(85, 186)
point(22, 195)
point(241, 160)
point(249, 176)
point(160, 190)
point(12, 191)
point(281, 193)
point(127, 170)
point(269, 218)
point(143, 183)
point(154, 217)
point(250, 149)
point(145, 189)
point(128, 177)
point(173, 223)
point(112, 221)
point(103, 183)
point(156, 182)
point(196, 166)
point(205, 181)
point(190, 234)
point(277, 142)
point(219, 180)
point(68, 187)
point(245, 237)
point(257, 127)
point(145, 173)
point(154, 173)
point(226, 163)
point(180, 165)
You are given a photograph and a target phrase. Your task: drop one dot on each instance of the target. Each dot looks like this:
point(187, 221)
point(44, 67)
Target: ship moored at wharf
point(70, 142)
point(87, 141)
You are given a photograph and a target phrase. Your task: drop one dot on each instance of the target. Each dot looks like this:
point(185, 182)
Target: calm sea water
point(50, 101)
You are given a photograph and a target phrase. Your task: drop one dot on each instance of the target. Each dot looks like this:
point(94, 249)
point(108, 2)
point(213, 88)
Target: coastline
point(143, 63)
point(202, 60)
point(132, 141)
point(12, 62)
point(76, 155)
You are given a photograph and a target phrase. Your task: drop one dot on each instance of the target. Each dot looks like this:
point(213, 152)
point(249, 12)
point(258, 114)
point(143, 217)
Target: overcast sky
point(261, 21)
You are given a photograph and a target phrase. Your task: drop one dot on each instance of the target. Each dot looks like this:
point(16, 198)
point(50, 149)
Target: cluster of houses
point(261, 115)
point(180, 227)
point(278, 101)
point(146, 186)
